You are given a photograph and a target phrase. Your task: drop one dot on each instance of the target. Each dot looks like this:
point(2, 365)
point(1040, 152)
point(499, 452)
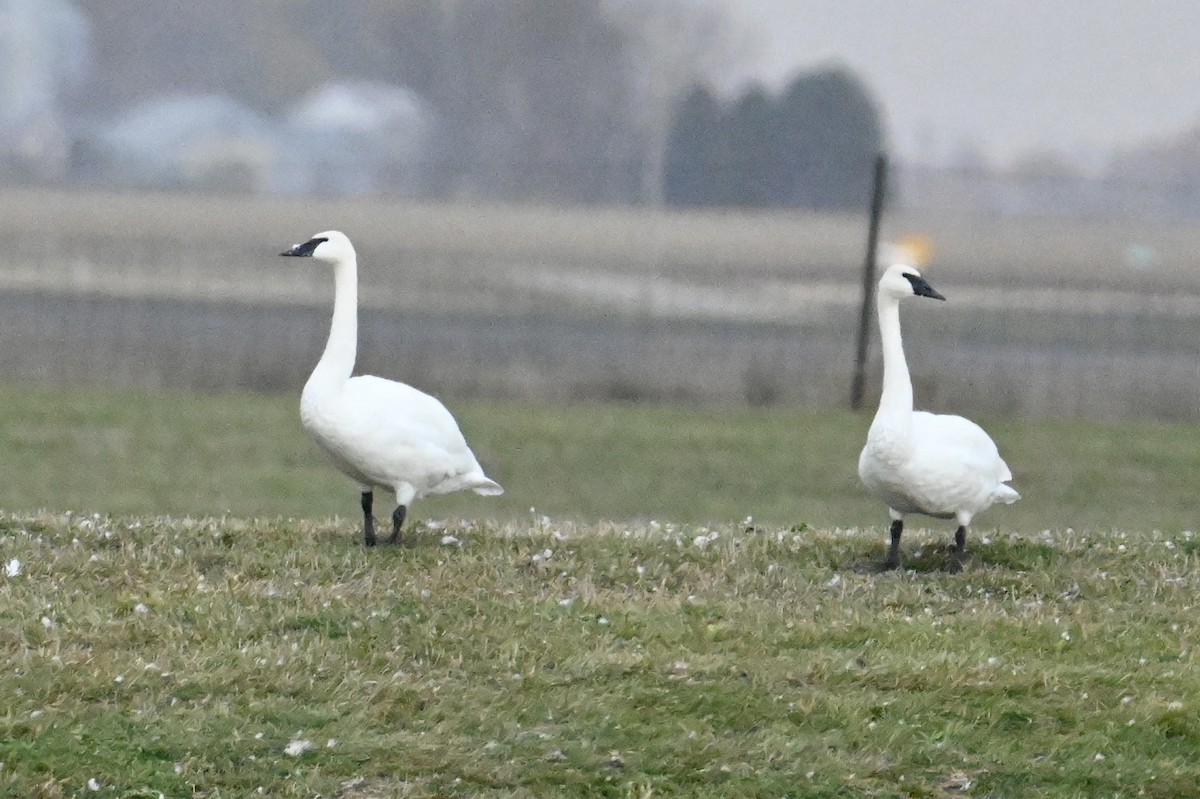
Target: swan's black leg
point(397, 520)
point(959, 559)
point(368, 519)
point(893, 556)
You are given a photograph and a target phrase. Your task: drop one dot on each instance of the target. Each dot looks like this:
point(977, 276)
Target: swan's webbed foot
point(892, 561)
point(397, 520)
point(368, 520)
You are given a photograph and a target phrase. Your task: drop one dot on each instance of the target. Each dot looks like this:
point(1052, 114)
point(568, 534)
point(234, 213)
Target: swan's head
point(331, 246)
point(901, 280)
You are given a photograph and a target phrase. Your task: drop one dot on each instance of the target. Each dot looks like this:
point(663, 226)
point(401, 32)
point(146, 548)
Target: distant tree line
point(531, 100)
point(542, 100)
point(812, 146)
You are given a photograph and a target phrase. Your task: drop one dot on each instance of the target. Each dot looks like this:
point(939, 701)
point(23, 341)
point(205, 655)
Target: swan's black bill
point(922, 288)
point(305, 249)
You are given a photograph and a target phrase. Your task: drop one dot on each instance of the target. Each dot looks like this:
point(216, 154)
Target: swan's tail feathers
point(1005, 473)
point(1006, 494)
point(475, 481)
point(487, 488)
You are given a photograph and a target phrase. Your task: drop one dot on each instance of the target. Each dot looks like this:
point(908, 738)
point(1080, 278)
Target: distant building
point(344, 139)
point(182, 142)
point(355, 138)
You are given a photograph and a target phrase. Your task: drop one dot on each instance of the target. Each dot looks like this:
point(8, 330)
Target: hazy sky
point(1077, 76)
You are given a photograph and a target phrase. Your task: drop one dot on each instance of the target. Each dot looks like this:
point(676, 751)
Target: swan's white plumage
point(942, 466)
point(388, 434)
point(938, 465)
point(379, 433)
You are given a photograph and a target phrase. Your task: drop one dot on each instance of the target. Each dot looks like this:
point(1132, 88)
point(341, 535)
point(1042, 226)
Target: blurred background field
point(201, 455)
point(604, 230)
point(606, 363)
point(1045, 318)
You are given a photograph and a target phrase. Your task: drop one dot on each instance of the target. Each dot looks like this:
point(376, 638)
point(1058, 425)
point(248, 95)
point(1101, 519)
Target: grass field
point(148, 657)
point(186, 609)
point(127, 453)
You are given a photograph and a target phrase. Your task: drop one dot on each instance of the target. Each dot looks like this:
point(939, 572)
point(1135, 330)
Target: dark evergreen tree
point(692, 167)
point(812, 147)
point(828, 134)
point(749, 130)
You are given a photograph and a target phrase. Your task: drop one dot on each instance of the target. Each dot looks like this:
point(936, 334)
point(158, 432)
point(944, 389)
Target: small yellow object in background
point(918, 247)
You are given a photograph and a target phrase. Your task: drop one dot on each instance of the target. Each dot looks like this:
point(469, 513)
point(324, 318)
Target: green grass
point(191, 604)
point(546, 659)
point(246, 456)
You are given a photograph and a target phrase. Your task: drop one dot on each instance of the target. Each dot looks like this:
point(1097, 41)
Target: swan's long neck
point(337, 362)
point(896, 401)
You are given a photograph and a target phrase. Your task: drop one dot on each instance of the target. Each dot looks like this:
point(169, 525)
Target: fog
point(573, 101)
point(1080, 77)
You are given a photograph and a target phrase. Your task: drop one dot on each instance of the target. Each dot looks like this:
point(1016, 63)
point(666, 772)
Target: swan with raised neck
point(379, 433)
point(938, 465)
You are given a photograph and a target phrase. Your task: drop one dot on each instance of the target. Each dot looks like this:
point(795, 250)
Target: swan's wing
point(396, 410)
point(966, 441)
point(955, 465)
point(392, 432)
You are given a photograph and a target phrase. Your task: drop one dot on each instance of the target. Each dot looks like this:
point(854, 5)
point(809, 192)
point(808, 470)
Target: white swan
point(917, 462)
point(378, 432)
